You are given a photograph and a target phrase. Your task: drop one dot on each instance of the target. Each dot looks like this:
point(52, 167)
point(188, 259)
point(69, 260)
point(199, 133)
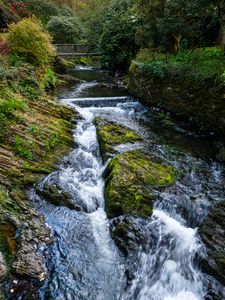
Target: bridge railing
point(68, 49)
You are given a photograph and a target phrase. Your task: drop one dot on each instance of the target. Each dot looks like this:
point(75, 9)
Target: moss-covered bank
point(36, 139)
point(177, 89)
point(35, 132)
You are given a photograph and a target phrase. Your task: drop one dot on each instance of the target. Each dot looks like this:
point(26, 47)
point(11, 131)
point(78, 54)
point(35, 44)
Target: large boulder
point(22, 234)
point(131, 180)
point(212, 232)
point(111, 134)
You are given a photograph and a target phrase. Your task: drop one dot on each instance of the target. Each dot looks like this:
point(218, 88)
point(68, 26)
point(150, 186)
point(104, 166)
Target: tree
point(29, 41)
point(167, 23)
point(42, 9)
point(64, 29)
point(117, 42)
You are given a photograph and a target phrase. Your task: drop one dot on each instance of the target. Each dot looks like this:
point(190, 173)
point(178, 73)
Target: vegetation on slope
point(35, 131)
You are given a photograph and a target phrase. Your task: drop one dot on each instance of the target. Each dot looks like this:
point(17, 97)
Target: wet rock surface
point(55, 195)
point(3, 270)
point(127, 234)
point(181, 98)
point(132, 179)
point(22, 233)
point(111, 134)
point(212, 232)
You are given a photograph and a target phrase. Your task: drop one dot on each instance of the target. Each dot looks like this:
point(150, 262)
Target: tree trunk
point(221, 14)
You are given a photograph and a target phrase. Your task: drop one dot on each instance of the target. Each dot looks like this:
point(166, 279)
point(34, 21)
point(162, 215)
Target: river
point(84, 261)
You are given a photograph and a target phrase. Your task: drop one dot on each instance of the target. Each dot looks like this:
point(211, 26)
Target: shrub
point(30, 42)
point(64, 29)
point(157, 69)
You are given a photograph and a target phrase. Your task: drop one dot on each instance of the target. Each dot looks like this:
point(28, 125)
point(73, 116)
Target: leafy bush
point(64, 29)
point(29, 41)
point(156, 68)
point(49, 80)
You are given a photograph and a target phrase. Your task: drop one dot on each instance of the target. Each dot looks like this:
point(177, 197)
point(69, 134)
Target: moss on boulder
point(131, 179)
point(111, 134)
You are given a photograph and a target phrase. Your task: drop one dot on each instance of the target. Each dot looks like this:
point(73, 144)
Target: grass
point(198, 66)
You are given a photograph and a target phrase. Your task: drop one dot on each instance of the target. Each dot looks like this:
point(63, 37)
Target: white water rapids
point(84, 262)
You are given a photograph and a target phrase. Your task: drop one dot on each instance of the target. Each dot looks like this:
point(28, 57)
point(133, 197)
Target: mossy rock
point(131, 179)
point(58, 197)
point(111, 134)
point(212, 232)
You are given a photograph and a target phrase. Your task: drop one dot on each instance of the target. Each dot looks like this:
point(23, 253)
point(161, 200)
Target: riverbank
point(190, 86)
point(36, 131)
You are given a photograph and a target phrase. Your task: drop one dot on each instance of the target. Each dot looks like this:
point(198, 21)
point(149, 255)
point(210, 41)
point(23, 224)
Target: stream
point(84, 261)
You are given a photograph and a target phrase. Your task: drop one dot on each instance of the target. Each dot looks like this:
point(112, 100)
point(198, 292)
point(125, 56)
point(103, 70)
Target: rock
point(3, 270)
point(221, 154)
point(131, 179)
point(212, 232)
point(56, 196)
point(183, 99)
point(29, 263)
point(22, 234)
point(24, 289)
point(111, 134)
point(67, 79)
point(126, 234)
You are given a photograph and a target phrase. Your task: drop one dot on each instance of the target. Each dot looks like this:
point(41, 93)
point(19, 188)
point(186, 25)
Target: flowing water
point(84, 261)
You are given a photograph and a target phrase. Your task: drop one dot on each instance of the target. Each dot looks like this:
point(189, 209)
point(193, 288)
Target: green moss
point(111, 134)
point(131, 178)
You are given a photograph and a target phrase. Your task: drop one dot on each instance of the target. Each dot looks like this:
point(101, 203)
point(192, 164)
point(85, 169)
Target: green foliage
point(117, 43)
point(156, 69)
point(52, 141)
point(49, 80)
point(8, 107)
point(3, 127)
point(42, 9)
point(29, 41)
point(167, 23)
point(64, 29)
point(201, 66)
point(24, 148)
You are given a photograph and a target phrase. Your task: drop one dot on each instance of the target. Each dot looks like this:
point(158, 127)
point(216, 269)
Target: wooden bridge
point(73, 50)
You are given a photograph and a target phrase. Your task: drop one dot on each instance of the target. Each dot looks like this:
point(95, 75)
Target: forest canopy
point(119, 28)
